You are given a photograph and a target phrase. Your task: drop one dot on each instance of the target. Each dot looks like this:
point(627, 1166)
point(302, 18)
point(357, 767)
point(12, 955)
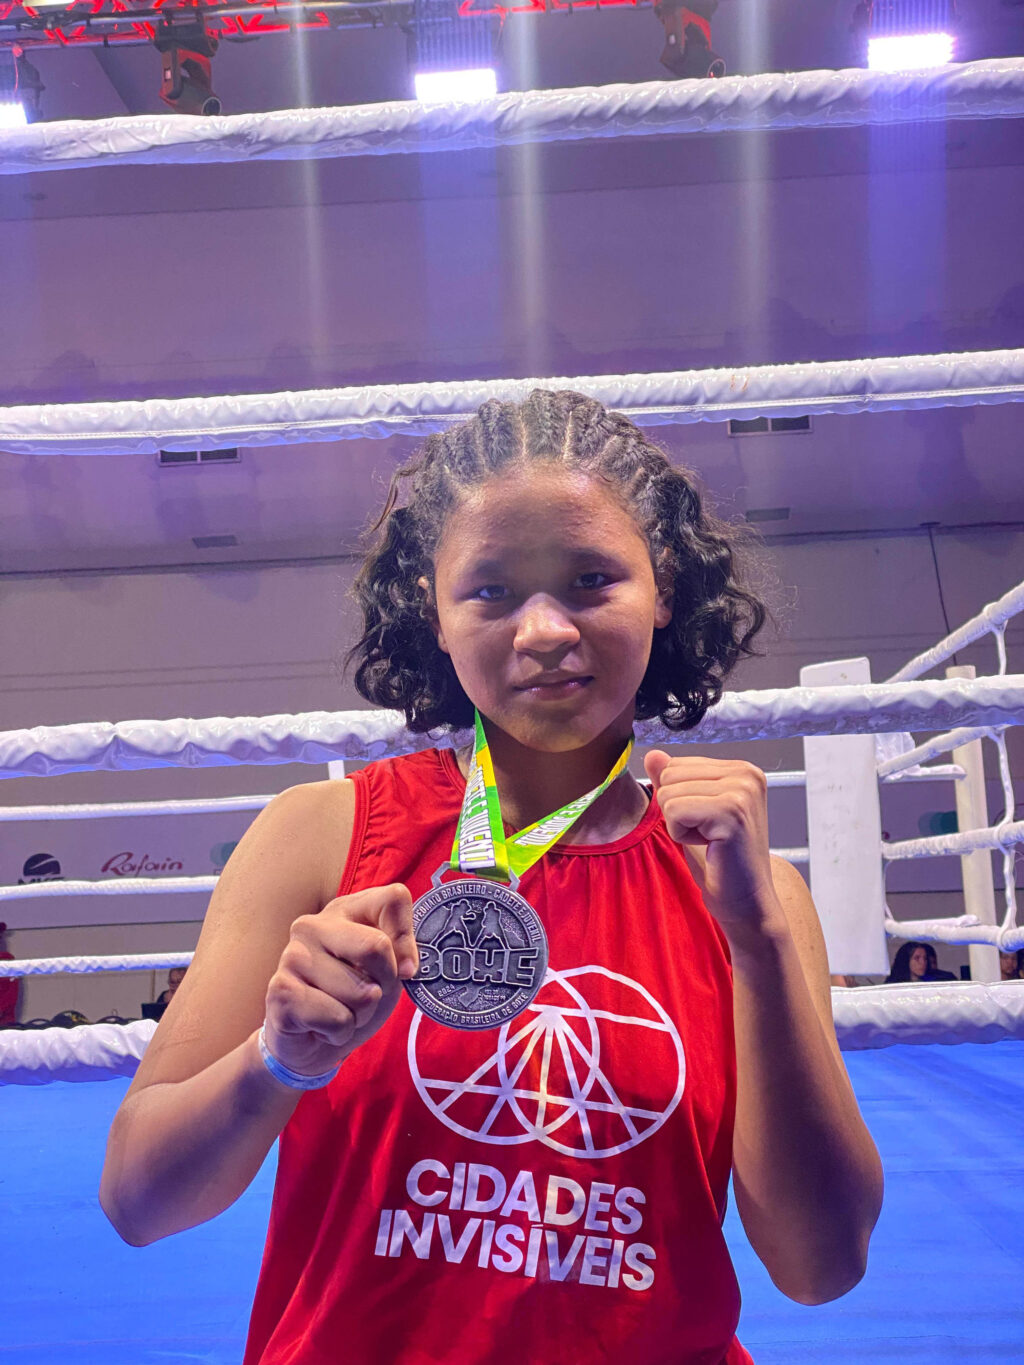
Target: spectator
point(1011, 966)
point(174, 979)
point(910, 963)
point(917, 962)
point(10, 986)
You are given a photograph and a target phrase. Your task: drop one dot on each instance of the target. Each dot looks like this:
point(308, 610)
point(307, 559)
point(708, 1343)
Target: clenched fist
point(717, 809)
point(340, 977)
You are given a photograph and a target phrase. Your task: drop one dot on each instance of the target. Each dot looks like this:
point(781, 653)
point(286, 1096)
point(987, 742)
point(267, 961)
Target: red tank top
point(552, 1191)
point(9, 988)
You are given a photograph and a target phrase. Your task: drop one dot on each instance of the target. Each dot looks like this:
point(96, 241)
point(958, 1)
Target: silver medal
point(483, 952)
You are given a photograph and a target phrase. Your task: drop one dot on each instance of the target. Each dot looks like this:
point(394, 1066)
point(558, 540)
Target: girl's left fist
point(718, 810)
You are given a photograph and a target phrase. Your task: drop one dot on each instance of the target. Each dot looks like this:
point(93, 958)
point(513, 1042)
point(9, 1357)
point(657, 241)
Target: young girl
point(550, 1190)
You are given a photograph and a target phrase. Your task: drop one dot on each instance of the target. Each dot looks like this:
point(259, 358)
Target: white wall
point(269, 640)
point(545, 276)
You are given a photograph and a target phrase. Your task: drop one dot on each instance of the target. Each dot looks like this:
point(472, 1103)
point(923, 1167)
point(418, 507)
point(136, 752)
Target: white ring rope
point(80, 966)
point(159, 886)
point(962, 930)
point(865, 1017)
point(91, 1052)
point(991, 619)
point(938, 772)
point(792, 855)
point(1003, 836)
point(910, 760)
point(901, 755)
point(105, 810)
point(939, 1012)
point(958, 379)
point(322, 736)
point(109, 886)
point(806, 99)
point(216, 805)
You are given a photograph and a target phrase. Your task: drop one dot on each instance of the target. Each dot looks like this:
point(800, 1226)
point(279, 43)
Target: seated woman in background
point(916, 962)
point(1011, 966)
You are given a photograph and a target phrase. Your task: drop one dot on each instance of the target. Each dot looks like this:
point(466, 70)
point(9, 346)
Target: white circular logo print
point(591, 1068)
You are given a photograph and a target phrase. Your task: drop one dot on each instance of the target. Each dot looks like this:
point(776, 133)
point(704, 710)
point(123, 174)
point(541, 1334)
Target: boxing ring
point(947, 1119)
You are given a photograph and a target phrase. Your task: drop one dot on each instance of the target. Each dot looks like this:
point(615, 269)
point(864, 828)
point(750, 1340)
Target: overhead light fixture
point(910, 52)
point(906, 35)
point(20, 88)
point(687, 52)
point(186, 49)
point(451, 54)
point(444, 87)
point(12, 115)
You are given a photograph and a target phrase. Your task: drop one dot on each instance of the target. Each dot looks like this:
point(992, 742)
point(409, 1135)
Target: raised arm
point(203, 1111)
point(807, 1177)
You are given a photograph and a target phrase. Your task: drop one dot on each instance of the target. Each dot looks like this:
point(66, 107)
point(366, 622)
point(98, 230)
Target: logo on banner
point(591, 1068)
point(40, 867)
point(220, 853)
point(130, 865)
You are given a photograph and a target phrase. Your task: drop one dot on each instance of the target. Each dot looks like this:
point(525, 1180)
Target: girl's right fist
point(339, 978)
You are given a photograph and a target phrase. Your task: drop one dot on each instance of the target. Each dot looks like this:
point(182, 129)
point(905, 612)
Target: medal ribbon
point(480, 845)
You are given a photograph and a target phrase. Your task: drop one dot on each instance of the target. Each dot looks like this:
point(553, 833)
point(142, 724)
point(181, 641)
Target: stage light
point(20, 88)
point(910, 51)
point(451, 55)
point(905, 35)
point(687, 52)
point(443, 87)
point(12, 114)
point(186, 49)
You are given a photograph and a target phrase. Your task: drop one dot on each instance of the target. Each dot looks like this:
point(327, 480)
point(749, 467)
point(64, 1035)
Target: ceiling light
point(12, 114)
point(905, 35)
point(910, 51)
point(20, 88)
point(186, 49)
point(455, 87)
point(451, 54)
point(687, 52)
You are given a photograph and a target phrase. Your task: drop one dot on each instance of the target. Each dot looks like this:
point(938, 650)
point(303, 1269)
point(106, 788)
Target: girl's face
point(547, 606)
point(918, 962)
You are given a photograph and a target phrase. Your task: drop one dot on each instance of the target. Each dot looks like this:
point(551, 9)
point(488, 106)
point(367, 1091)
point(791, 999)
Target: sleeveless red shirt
point(551, 1192)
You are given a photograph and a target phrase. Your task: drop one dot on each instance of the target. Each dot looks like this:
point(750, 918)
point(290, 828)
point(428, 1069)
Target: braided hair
point(715, 617)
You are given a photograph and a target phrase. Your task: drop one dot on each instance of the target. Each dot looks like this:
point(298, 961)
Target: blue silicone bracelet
point(286, 1075)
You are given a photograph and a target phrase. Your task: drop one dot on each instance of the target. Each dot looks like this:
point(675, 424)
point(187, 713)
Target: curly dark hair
point(714, 616)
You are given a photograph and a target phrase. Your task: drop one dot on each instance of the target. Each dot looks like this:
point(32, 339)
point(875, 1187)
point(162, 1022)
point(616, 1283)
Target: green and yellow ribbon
point(480, 845)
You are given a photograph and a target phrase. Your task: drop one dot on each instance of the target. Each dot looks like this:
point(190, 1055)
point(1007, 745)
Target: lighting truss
point(108, 23)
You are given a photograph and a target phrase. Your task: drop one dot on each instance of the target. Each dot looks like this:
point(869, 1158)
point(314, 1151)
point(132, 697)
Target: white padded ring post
point(844, 832)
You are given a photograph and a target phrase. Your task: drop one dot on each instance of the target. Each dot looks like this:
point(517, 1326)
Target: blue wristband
point(286, 1075)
